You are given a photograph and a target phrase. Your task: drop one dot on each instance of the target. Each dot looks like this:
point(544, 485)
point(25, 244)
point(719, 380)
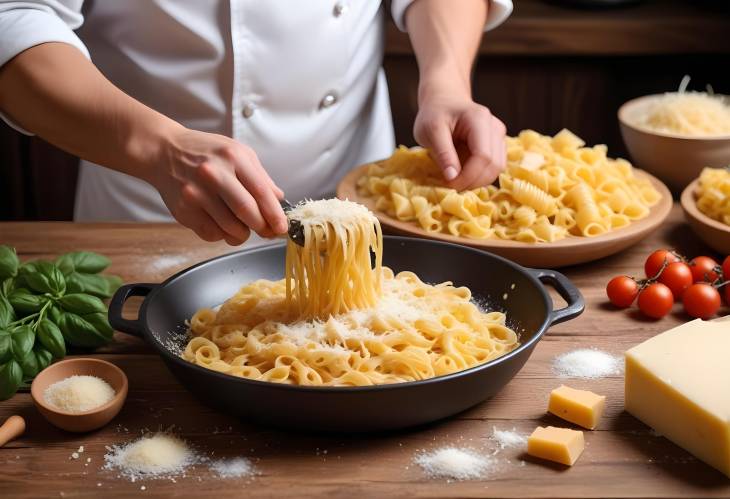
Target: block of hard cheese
point(556, 444)
point(581, 407)
point(678, 382)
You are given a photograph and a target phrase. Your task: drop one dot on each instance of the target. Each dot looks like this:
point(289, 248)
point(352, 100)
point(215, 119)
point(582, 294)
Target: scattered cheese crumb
point(507, 439)
point(586, 363)
point(78, 394)
point(151, 456)
point(74, 455)
point(453, 463)
point(233, 468)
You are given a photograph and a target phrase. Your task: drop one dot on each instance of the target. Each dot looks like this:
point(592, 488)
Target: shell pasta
point(553, 187)
point(325, 331)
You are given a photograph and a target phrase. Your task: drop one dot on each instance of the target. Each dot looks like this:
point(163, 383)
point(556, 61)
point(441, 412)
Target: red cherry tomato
point(726, 287)
point(654, 263)
point(656, 300)
point(701, 300)
point(677, 277)
point(622, 291)
point(703, 269)
point(726, 268)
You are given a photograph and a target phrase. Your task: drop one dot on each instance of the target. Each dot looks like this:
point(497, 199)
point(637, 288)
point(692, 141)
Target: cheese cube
point(678, 382)
point(556, 444)
point(581, 407)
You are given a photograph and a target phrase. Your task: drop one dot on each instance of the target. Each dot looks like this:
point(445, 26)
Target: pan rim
point(176, 359)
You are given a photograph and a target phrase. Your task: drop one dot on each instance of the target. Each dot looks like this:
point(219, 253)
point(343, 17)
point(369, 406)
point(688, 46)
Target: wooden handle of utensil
point(11, 429)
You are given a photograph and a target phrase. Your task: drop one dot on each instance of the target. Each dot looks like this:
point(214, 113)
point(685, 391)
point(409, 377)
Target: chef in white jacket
point(208, 111)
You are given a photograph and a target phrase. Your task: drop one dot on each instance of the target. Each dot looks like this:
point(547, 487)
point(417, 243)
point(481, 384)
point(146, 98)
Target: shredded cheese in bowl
point(77, 394)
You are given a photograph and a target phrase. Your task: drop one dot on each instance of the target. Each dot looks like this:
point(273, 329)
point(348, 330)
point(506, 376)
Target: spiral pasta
point(553, 187)
point(338, 320)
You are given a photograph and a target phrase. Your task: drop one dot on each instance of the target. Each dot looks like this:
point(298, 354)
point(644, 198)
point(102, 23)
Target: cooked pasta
point(553, 187)
point(336, 319)
point(713, 194)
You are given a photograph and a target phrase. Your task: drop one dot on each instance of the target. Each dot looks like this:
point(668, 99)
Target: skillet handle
point(567, 290)
point(116, 305)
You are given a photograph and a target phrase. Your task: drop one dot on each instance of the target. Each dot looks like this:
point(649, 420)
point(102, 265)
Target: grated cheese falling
point(453, 463)
point(151, 456)
point(77, 394)
point(586, 363)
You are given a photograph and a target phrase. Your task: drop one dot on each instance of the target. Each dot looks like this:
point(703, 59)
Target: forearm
point(53, 91)
point(445, 38)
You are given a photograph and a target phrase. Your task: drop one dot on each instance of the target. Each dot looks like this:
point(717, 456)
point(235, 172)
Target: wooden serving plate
point(569, 251)
point(714, 233)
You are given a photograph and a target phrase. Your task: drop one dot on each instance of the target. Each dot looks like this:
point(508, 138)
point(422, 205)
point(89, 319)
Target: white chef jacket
point(298, 81)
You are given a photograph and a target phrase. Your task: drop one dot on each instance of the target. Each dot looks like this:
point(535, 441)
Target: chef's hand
point(464, 139)
point(217, 187)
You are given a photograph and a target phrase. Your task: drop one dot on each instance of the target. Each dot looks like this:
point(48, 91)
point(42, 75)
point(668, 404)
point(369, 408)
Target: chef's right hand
point(217, 187)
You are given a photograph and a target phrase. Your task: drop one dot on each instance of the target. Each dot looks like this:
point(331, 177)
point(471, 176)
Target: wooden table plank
point(622, 458)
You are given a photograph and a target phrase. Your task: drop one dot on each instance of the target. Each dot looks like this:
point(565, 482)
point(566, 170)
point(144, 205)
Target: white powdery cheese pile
point(236, 467)
point(587, 363)
point(453, 463)
point(160, 455)
point(507, 439)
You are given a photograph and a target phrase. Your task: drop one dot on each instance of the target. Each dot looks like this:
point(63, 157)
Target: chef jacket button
point(340, 8)
point(328, 100)
point(248, 110)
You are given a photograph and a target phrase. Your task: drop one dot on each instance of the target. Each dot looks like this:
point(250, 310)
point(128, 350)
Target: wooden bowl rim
point(689, 205)
point(121, 393)
point(656, 216)
point(629, 105)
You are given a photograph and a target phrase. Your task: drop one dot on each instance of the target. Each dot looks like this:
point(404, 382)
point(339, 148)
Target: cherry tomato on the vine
point(622, 291)
point(654, 263)
point(677, 277)
point(726, 287)
point(703, 269)
point(701, 300)
point(656, 300)
point(726, 268)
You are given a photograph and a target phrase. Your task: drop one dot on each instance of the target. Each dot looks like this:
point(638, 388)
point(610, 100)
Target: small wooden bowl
point(569, 251)
point(714, 233)
point(81, 421)
point(675, 159)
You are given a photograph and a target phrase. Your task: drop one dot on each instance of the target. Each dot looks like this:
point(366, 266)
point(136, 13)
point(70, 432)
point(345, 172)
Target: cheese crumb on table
point(677, 383)
point(158, 455)
point(453, 463)
point(586, 363)
point(77, 394)
point(581, 407)
point(508, 438)
point(236, 467)
point(561, 445)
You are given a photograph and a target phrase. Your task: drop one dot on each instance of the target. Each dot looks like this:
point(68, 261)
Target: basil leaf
point(92, 284)
point(79, 332)
point(82, 261)
point(49, 335)
point(114, 282)
point(100, 321)
point(45, 277)
point(21, 341)
point(7, 286)
point(11, 376)
point(43, 356)
point(7, 314)
point(29, 364)
point(6, 351)
point(8, 262)
point(81, 303)
point(25, 302)
point(54, 313)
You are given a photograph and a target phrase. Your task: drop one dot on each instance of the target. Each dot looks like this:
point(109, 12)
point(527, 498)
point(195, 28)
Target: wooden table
point(622, 457)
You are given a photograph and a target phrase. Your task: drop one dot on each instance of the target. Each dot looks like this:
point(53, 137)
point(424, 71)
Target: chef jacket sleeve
point(25, 24)
point(499, 11)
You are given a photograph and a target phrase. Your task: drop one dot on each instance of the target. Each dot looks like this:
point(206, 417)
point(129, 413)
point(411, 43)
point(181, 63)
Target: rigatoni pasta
point(713, 194)
point(553, 187)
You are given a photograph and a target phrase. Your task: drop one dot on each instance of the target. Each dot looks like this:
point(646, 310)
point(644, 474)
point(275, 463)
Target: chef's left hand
point(464, 138)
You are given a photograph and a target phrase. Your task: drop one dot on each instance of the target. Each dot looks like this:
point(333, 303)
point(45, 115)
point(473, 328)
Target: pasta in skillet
point(338, 320)
point(553, 187)
point(713, 194)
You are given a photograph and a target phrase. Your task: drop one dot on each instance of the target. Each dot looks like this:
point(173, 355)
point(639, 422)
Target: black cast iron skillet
point(529, 309)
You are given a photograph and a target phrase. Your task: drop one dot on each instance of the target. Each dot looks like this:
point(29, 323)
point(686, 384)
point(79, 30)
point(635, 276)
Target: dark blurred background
point(552, 65)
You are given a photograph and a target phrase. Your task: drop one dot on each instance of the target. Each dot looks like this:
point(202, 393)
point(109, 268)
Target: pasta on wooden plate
point(553, 187)
point(713, 194)
point(337, 319)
